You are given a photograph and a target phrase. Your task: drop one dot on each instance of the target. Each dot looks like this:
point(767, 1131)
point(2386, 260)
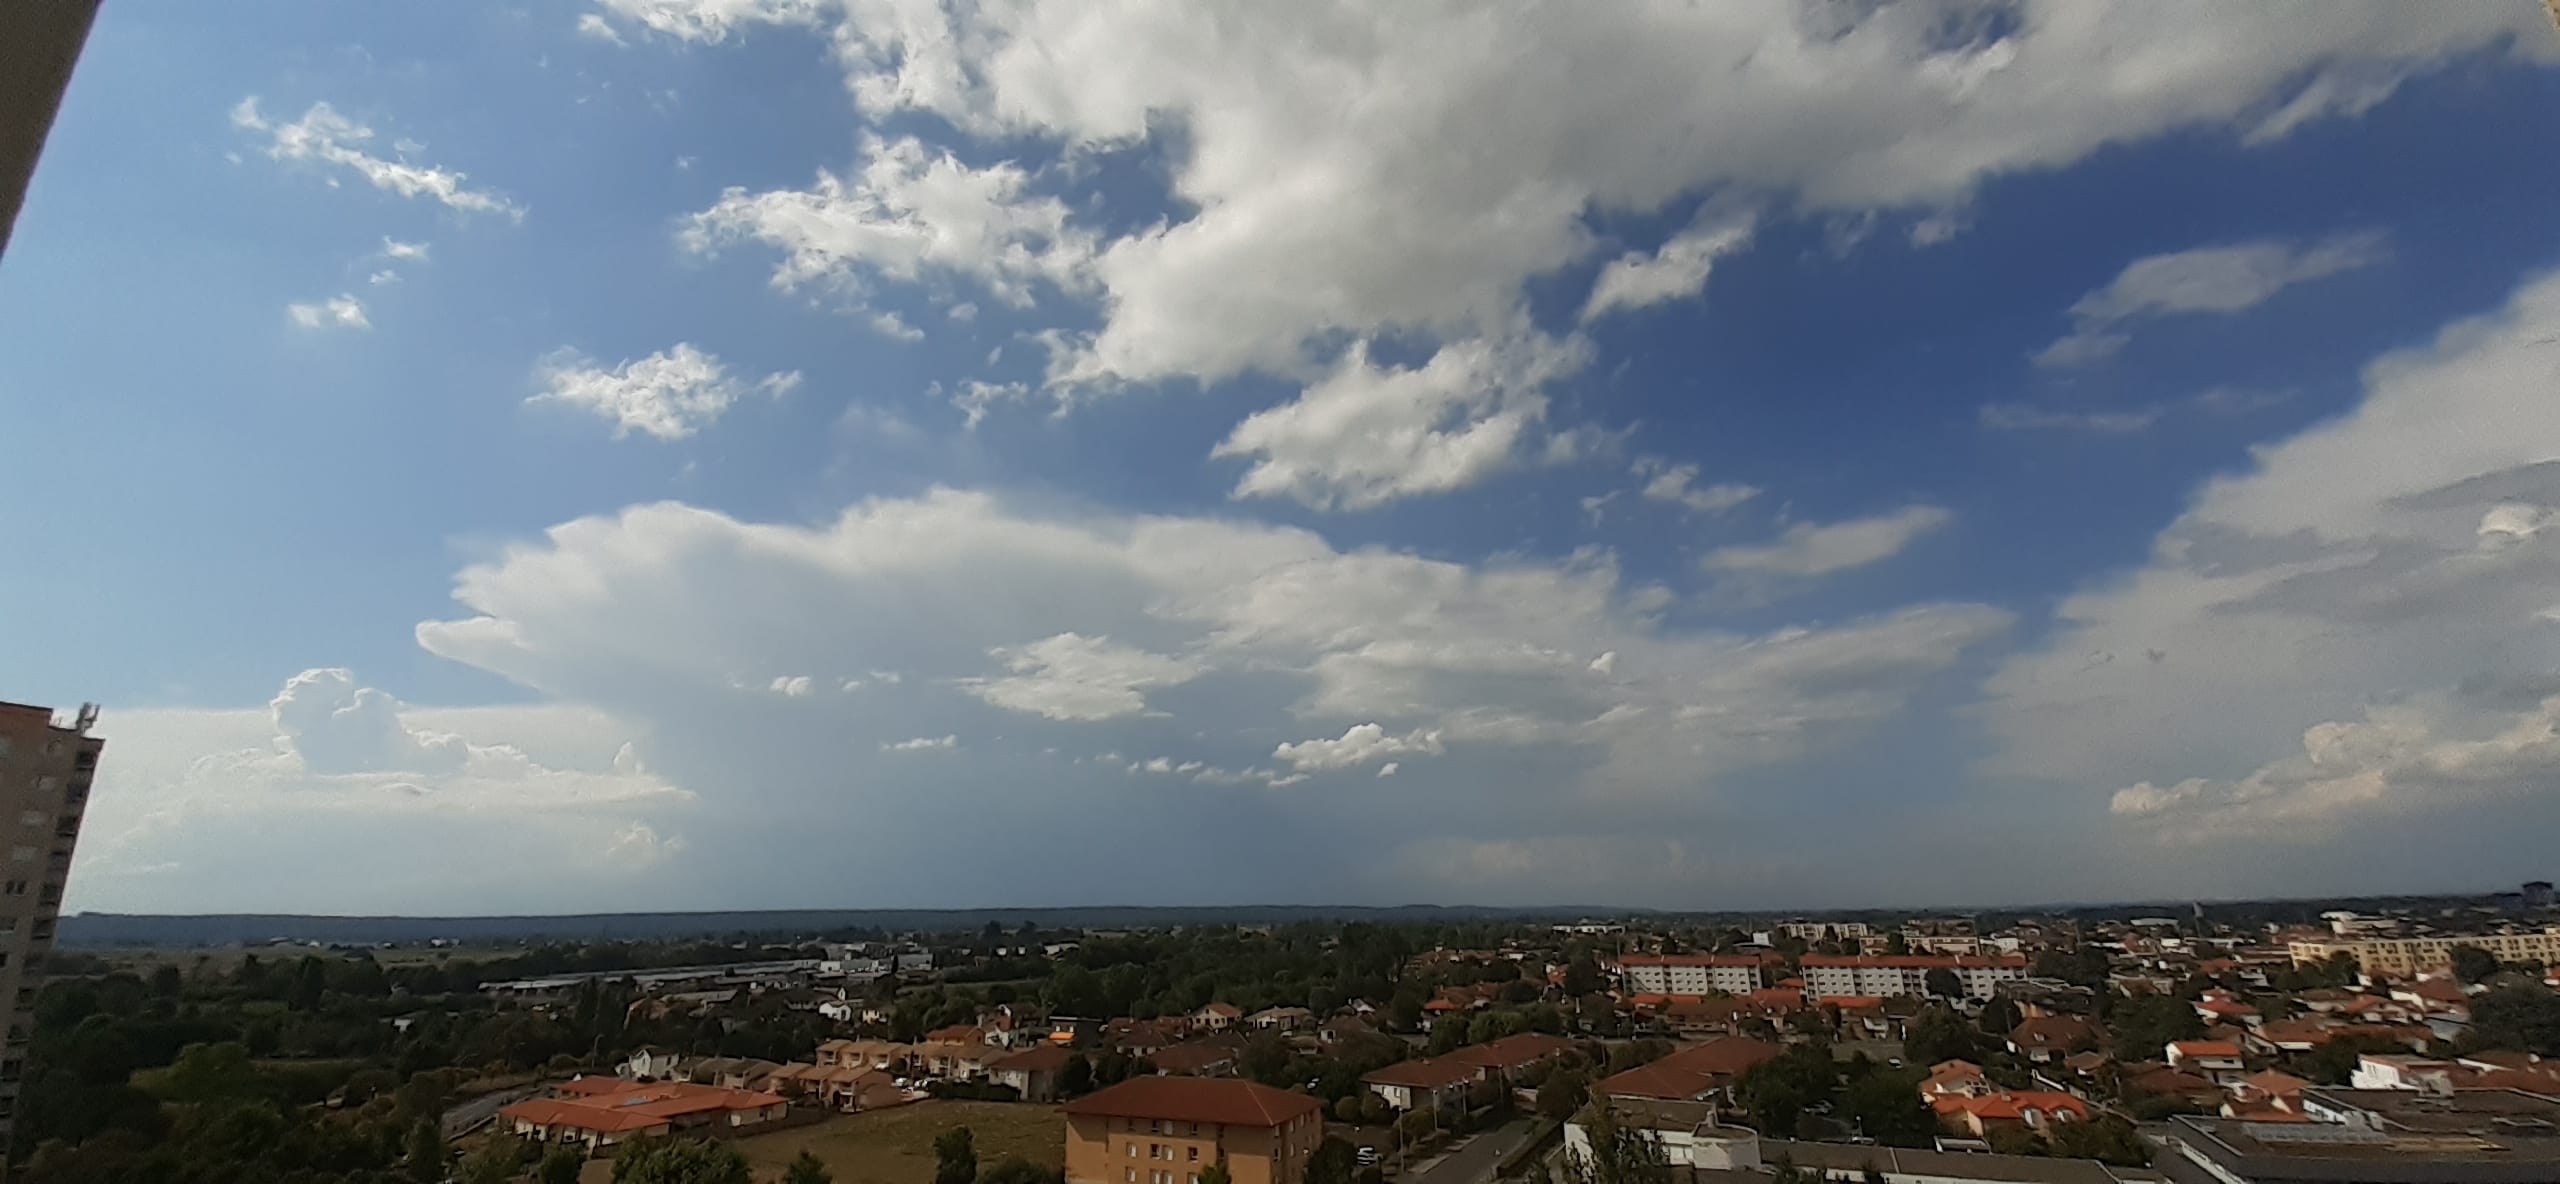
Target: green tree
point(1014, 1169)
point(560, 1165)
point(2146, 1025)
point(2472, 964)
point(425, 1157)
point(1619, 1154)
point(1333, 1162)
point(2106, 1137)
point(1777, 1091)
point(2521, 1016)
point(1943, 983)
point(1939, 1034)
point(1077, 1077)
point(955, 1157)
point(1562, 1094)
point(680, 1161)
point(1886, 1106)
point(213, 1073)
point(497, 1161)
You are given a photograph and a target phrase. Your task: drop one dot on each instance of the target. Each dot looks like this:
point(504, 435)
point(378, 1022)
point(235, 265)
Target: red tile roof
point(1916, 961)
point(1511, 1052)
point(2205, 1048)
point(1197, 1099)
point(1045, 1058)
point(1691, 1071)
point(609, 1105)
point(1423, 1073)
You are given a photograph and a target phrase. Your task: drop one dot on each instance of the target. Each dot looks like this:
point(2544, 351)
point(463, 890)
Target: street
point(1473, 1160)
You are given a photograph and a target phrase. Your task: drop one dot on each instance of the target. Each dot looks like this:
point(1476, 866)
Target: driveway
point(1474, 1159)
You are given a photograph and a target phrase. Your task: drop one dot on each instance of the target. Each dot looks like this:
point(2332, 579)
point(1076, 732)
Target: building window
point(1133, 1151)
point(1195, 1152)
point(1130, 1175)
point(14, 888)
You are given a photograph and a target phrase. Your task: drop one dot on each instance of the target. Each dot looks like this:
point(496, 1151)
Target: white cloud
point(1676, 270)
point(396, 250)
point(1070, 676)
point(923, 744)
point(324, 136)
point(910, 214)
point(382, 277)
point(250, 809)
point(1389, 769)
point(703, 20)
point(975, 398)
point(2220, 279)
point(895, 327)
point(1367, 434)
point(670, 394)
point(1267, 628)
point(1816, 549)
point(1305, 222)
point(2367, 596)
point(1676, 484)
point(594, 26)
point(2028, 417)
point(342, 311)
point(799, 686)
point(1359, 745)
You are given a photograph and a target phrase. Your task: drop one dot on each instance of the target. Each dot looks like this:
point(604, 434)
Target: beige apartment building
point(1167, 1130)
point(2415, 955)
point(45, 768)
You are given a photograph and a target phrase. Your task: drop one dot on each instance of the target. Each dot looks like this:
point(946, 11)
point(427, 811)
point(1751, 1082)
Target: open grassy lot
point(896, 1146)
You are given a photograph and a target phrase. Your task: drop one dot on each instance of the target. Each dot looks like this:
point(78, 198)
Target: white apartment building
point(1885, 976)
point(1689, 974)
point(1820, 930)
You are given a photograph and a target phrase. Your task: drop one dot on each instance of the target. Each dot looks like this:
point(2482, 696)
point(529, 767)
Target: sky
point(717, 454)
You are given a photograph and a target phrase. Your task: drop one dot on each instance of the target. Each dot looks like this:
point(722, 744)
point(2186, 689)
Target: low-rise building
point(598, 1112)
point(2047, 1039)
point(1977, 1115)
point(2215, 1060)
point(1700, 1072)
point(1425, 1082)
point(1167, 1130)
point(1033, 1072)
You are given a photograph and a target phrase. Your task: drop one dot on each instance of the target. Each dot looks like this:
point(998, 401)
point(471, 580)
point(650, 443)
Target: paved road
point(1474, 1159)
point(467, 1115)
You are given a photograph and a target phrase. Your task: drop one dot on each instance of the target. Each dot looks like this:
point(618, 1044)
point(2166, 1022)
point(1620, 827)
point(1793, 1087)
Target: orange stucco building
point(1165, 1130)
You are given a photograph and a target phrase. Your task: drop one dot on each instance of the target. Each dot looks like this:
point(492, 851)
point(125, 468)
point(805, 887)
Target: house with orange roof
point(1953, 1078)
point(1697, 1073)
point(1978, 1115)
point(2047, 1039)
point(2216, 1060)
point(1217, 1017)
point(2266, 1096)
point(599, 1112)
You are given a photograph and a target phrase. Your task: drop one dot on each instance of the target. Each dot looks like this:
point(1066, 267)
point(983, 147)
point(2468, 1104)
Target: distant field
point(896, 1146)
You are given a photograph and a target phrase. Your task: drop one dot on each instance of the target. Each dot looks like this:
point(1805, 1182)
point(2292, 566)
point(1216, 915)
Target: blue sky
point(728, 453)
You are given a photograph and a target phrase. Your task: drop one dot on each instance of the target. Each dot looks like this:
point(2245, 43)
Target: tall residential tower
point(45, 768)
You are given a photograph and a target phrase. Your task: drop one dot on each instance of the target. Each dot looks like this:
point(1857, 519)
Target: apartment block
point(45, 769)
point(1885, 976)
point(1689, 974)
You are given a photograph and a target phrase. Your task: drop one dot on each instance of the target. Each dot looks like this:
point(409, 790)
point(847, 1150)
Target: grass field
point(896, 1146)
